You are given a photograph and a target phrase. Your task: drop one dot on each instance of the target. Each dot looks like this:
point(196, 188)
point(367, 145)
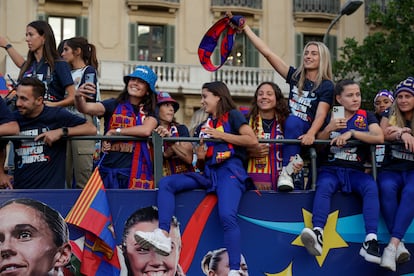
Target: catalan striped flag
point(91, 213)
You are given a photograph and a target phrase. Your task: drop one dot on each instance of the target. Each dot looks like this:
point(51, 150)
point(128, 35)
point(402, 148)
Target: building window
point(237, 55)
point(307, 38)
point(302, 39)
point(154, 43)
point(151, 43)
point(63, 27)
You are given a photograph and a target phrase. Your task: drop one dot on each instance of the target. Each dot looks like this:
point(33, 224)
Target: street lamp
point(348, 8)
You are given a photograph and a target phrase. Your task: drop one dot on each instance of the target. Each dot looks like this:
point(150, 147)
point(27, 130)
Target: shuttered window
point(155, 43)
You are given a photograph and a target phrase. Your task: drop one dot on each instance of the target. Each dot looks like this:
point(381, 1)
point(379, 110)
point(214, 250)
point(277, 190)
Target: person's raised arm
point(17, 58)
point(277, 63)
point(90, 108)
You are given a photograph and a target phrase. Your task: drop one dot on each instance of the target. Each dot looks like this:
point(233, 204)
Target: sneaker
point(234, 273)
point(285, 182)
point(156, 239)
point(312, 240)
point(370, 251)
point(388, 257)
point(402, 255)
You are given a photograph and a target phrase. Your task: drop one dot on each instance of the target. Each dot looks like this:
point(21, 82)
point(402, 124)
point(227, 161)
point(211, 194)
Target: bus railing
point(158, 141)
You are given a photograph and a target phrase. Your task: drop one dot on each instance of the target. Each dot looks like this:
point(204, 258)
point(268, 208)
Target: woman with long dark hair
point(223, 172)
point(127, 164)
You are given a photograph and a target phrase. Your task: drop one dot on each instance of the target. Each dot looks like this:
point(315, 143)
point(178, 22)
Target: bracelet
point(8, 46)
point(352, 133)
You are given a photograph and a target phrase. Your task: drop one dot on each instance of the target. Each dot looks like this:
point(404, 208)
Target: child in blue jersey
point(223, 172)
point(342, 168)
point(396, 175)
point(310, 97)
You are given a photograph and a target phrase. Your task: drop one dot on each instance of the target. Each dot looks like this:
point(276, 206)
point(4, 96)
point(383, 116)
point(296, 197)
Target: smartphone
point(338, 112)
point(90, 78)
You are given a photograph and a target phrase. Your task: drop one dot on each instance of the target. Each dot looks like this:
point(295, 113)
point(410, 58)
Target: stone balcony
point(188, 79)
point(183, 79)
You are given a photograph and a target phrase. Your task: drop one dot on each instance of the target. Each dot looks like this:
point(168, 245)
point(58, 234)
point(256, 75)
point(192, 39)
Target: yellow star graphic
point(286, 272)
point(331, 238)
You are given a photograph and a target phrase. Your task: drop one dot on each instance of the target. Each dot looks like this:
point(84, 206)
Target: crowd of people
point(58, 96)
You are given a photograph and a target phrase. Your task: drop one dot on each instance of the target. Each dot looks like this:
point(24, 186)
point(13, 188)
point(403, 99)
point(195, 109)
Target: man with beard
point(40, 163)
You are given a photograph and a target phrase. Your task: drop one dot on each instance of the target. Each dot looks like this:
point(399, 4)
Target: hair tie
point(210, 39)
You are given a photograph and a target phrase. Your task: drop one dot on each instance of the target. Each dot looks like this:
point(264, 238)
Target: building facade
point(165, 34)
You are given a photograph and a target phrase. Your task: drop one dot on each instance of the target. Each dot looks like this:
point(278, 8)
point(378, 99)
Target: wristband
point(8, 46)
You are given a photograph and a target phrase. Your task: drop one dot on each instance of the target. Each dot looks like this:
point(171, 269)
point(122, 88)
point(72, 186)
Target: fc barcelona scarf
point(265, 170)
point(218, 152)
point(210, 40)
point(174, 164)
point(141, 176)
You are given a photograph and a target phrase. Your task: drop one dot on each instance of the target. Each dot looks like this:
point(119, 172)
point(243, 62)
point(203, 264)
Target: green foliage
point(386, 56)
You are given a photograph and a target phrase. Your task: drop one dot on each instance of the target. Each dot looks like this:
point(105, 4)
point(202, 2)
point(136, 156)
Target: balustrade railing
point(158, 141)
point(317, 6)
point(242, 81)
point(252, 4)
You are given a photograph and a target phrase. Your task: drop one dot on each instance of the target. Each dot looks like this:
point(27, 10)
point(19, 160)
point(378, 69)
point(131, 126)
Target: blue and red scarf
point(174, 164)
point(210, 39)
point(141, 176)
point(218, 152)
